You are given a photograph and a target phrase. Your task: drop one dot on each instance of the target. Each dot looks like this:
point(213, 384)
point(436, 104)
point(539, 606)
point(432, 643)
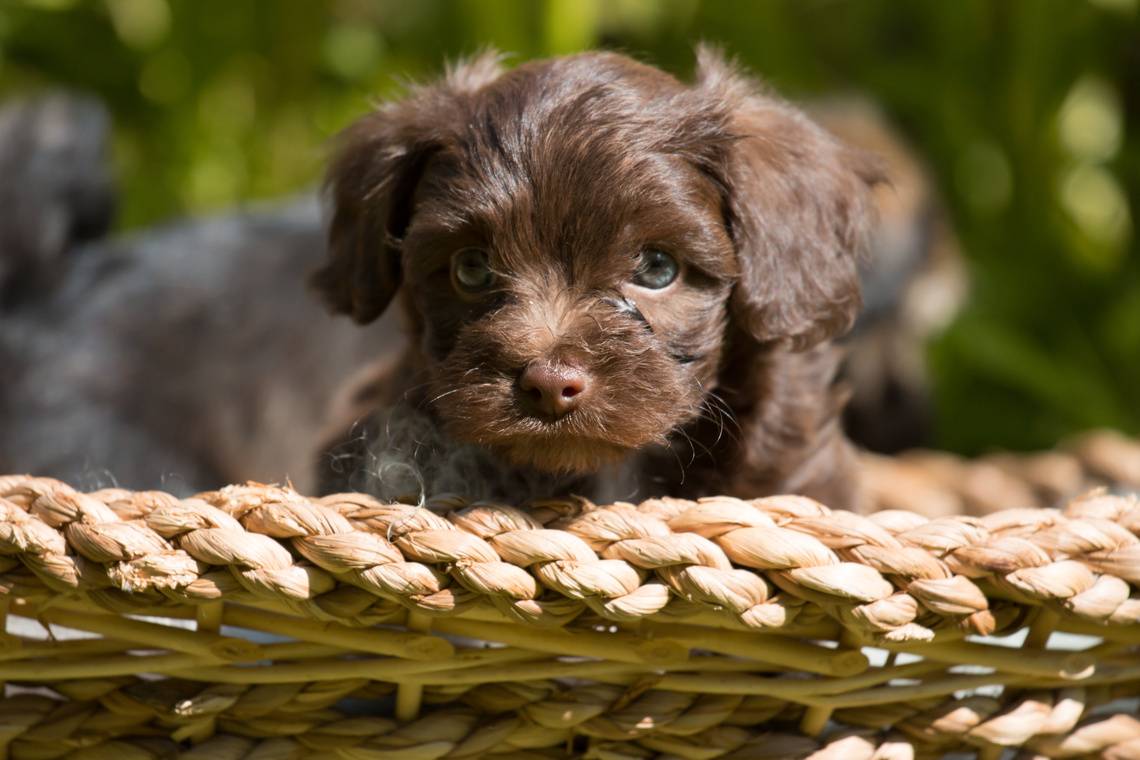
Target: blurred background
point(1027, 113)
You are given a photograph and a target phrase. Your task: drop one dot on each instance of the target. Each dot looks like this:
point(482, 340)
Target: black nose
point(553, 388)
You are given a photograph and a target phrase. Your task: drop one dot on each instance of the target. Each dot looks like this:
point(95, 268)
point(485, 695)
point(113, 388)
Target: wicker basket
point(254, 623)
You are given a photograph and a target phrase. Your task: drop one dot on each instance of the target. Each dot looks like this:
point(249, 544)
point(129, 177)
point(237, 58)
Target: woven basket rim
point(714, 601)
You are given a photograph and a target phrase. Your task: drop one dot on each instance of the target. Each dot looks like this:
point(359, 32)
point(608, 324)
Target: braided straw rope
point(252, 622)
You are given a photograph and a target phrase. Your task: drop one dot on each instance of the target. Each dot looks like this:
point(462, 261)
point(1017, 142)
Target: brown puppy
point(614, 285)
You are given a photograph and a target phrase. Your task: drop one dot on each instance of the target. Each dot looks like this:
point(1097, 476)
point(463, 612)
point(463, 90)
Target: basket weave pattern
point(721, 628)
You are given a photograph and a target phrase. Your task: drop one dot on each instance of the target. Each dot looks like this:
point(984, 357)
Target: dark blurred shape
point(913, 286)
point(55, 188)
point(184, 357)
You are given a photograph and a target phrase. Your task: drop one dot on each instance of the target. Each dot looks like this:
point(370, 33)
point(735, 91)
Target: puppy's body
point(614, 285)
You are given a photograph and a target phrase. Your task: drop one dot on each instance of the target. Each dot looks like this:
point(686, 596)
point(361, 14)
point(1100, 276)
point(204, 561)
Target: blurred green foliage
point(1027, 111)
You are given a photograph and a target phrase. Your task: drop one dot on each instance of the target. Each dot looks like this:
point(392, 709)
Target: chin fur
point(559, 456)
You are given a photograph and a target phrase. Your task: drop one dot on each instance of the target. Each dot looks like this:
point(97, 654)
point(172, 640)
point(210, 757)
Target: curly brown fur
point(564, 173)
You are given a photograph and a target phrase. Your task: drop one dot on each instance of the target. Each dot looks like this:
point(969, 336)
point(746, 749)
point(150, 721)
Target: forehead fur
point(577, 151)
point(594, 87)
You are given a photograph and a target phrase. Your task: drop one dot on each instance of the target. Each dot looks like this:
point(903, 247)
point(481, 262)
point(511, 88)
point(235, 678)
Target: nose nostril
point(553, 388)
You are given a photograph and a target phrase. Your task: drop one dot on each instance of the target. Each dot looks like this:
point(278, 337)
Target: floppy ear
point(799, 209)
point(369, 187)
point(376, 166)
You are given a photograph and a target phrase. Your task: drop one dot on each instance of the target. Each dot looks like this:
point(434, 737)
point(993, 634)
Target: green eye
point(656, 270)
point(471, 271)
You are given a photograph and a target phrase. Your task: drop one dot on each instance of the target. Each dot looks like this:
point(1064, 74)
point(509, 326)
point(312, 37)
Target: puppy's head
point(574, 240)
